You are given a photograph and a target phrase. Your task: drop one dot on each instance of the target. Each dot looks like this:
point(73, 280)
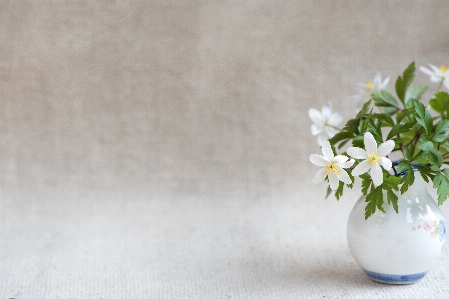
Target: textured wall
point(193, 97)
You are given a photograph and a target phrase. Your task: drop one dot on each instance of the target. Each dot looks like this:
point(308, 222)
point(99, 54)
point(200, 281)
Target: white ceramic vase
point(398, 248)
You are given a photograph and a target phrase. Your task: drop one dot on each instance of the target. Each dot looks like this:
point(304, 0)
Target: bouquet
point(386, 126)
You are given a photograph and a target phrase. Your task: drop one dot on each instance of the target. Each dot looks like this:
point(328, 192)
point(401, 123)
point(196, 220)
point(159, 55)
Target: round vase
point(398, 248)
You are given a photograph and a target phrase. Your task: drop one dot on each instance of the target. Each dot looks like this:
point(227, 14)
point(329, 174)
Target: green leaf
point(364, 124)
point(375, 201)
point(440, 103)
point(386, 119)
point(397, 140)
point(446, 172)
point(398, 129)
point(409, 152)
point(366, 183)
point(375, 130)
point(409, 178)
point(441, 183)
point(415, 93)
point(440, 130)
point(383, 98)
point(328, 192)
point(426, 173)
point(434, 157)
point(423, 117)
point(392, 183)
point(358, 141)
point(389, 110)
point(339, 191)
point(402, 83)
point(431, 153)
point(424, 143)
point(403, 114)
point(403, 165)
point(392, 199)
point(352, 180)
point(365, 109)
point(352, 125)
point(341, 136)
point(348, 132)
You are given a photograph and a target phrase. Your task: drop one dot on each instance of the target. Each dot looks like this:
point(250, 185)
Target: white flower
point(437, 75)
point(324, 122)
point(366, 89)
point(332, 167)
point(374, 158)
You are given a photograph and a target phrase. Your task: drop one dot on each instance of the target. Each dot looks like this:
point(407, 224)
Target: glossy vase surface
point(398, 248)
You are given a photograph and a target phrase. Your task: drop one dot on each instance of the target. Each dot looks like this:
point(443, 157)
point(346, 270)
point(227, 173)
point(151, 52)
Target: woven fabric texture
point(159, 149)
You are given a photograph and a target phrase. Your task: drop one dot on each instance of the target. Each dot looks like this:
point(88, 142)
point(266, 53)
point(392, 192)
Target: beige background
point(159, 149)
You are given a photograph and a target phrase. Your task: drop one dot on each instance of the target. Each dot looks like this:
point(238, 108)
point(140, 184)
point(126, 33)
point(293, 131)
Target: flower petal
point(316, 116)
point(437, 75)
point(333, 182)
point(363, 167)
point(377, 80)
point(446, 83)
point(330, 131)
point(384, 84)
point(322, 138)
point(318, 160)
point(347, 164)
point(385, 163)
point(327, 151)
point(335, 119)
point(436, 70)
point(340, 159)
point(426, 71)
point(357, 152)
point(363, 88)
point(319, 176)
point(436, 79)
point(370, 143)
point(316, 129)
point(326, 110)
point(377, 175)
point(386, 148)
point(344, 177)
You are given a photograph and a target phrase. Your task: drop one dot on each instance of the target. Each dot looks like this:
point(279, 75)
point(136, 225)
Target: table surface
point(120, 245)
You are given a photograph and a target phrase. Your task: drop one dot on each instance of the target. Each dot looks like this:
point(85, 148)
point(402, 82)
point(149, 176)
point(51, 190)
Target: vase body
point(398, 248)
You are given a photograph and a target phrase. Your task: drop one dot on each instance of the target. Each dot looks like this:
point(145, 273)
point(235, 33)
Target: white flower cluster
point(437, 75)
point(324, 123)
point(373, 157)
point(366, 90)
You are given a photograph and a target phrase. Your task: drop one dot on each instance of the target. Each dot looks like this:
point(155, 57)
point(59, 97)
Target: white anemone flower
point(436, 74)
point(324, 122)
point(332, 167)
point(366, 89)
point(374, 158)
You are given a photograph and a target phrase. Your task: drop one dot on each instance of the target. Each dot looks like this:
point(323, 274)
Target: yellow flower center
point(370, 84)
point(373, 158)
point(332, 169)
point(444, 68)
